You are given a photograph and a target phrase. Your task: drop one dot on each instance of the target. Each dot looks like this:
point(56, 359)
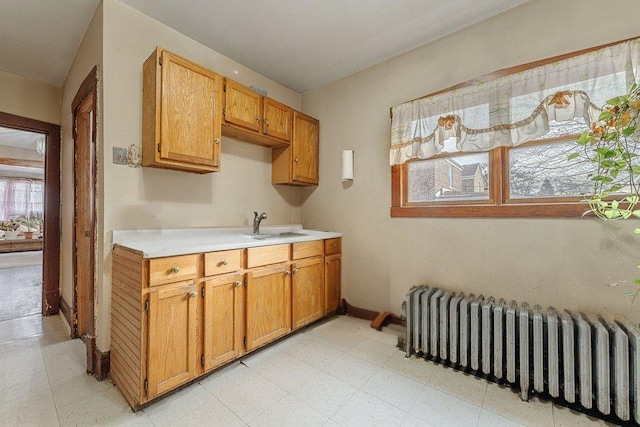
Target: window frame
point(499, 204)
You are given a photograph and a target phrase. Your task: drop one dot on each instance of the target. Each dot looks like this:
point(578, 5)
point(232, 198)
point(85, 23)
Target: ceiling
point(39, 39)
point(20, 138)
point(302, 44)
point(25, 140)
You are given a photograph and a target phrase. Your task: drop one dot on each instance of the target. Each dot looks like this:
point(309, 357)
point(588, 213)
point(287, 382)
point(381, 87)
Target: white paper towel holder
point(347, 166)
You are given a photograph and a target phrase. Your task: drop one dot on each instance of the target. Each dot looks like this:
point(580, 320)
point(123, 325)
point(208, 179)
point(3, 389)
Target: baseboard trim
point(66, 311)
point(378, 319)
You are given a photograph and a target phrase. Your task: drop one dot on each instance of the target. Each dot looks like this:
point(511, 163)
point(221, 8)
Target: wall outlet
point(119, 156)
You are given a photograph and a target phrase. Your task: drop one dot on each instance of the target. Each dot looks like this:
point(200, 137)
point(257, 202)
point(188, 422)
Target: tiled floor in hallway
point(340, 372)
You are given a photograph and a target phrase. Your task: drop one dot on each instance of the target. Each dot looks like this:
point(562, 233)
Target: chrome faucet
point(256, 221)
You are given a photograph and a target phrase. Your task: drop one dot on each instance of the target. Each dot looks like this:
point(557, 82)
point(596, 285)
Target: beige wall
point(29, 98)
point(89, 55)
point(154, 198)
point(580, 264)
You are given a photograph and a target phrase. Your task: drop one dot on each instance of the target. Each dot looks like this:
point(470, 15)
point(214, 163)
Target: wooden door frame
point(89, 87)
point(51, 238)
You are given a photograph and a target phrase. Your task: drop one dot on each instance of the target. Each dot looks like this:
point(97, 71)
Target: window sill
point(520, 210)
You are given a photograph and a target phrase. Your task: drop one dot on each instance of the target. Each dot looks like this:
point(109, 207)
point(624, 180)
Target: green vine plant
point(612, 146)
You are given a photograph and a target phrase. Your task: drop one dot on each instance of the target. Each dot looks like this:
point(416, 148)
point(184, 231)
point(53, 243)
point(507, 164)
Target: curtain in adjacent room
point(21, 197)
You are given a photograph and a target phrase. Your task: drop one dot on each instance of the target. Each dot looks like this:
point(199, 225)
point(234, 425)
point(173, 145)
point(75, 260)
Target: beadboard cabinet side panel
point(127, 311)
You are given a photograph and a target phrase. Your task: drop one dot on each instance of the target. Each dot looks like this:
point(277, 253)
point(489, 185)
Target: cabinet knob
point(296, 160)
point(224, 262)
point(266, 122)
point(287, 272)
point(175, 269)
point(216, 140)
point(238, 283)
point(258, 119)
point(193, 294)
point(295, 270)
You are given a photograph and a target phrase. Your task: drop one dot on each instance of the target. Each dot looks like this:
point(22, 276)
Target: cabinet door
point(242, 106)
point(191, 113)
point(277, 119)
point(171, 356)
point(268, 294)
point(305, 149)
point(332, 273)
point(223, 319)
point(307, 291)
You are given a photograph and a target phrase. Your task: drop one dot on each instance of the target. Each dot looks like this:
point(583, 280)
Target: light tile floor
point(338, 373)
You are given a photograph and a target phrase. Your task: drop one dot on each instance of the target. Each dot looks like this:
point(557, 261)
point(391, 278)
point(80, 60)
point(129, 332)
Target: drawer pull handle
point(193, 294)
point(217, 140)
point(224, 262)
point(266, 122)
point(295, 270)
point(175, 269)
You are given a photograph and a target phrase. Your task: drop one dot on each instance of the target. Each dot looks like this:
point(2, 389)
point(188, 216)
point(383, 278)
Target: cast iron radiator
point(579, 358)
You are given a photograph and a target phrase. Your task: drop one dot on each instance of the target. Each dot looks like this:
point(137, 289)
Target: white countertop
point(180, 241)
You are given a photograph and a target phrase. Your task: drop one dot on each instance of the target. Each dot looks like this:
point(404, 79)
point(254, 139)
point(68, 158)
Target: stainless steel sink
point(275, 235)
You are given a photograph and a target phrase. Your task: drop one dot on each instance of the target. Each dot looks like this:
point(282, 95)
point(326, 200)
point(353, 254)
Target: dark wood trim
point(98, 362)
point(51, 249)
point(378, 319)
point(22, 162)
point(67, 313)
point(89, 87)
point(520, 210)
point(102, 364)
point(396, 186)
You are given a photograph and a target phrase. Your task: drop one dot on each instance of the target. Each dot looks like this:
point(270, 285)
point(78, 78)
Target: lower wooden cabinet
point(332, 274)
point(223, 314)
point(176, 318)
point(268, 305)
point(172, 356)
point(307, 299)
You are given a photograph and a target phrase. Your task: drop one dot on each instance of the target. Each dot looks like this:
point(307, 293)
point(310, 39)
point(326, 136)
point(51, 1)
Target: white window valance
point(516, 108)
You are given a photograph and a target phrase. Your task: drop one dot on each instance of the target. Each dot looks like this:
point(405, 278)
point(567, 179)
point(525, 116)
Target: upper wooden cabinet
point(297, 164)
point(255, 118)
point(181, 114)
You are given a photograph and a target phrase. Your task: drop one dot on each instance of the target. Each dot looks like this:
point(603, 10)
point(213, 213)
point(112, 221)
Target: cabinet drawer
point(222, 262)
point(307, 249)
point(265, 255)
point(172, 269)
point(333, 246)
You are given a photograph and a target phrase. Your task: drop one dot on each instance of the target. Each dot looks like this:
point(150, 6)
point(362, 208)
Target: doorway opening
point(21, 222)
point(30, 202)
